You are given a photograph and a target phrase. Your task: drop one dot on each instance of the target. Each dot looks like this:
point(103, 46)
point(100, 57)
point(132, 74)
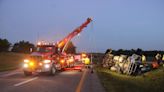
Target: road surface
point(67, 81)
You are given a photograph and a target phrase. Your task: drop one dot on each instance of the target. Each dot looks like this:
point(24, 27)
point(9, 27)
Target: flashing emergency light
point(62, 60)
point(83, 55)
point(31, 63)
point(39, 43)
point(71, 60)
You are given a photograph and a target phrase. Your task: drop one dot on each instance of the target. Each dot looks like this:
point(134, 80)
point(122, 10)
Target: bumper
point(44, 68)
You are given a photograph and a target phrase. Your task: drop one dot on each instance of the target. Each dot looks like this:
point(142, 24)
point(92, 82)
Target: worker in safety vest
point(163, 60)
point(143, 59)
point(87, 62)
point(159, 58)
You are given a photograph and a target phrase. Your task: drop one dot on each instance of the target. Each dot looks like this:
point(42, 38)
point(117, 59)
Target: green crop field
point(9, 61)
point(152, 81)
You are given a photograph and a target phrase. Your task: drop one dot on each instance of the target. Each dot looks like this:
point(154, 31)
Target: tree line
point(26, 46)
point(20, 47)
point(138, 51)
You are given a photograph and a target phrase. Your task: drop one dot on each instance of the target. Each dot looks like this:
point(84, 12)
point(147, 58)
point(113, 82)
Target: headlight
point(47, 66)
point(26, 60)
point(25, 65)
point(47, 61)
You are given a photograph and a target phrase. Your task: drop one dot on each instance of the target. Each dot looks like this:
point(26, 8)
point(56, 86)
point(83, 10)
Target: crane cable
point(91, 39)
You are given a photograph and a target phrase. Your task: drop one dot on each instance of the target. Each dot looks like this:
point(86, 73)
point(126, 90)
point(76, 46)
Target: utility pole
point(91, 64)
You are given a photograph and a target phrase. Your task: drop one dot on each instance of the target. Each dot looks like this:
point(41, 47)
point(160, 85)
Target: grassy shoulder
point(149, 82)
point(10, 61)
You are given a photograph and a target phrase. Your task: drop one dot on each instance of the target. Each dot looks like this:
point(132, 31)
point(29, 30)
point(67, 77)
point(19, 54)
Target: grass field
point(9, 61)
point(149, 82)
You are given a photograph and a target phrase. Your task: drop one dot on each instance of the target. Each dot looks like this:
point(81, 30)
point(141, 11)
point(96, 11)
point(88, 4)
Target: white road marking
point(9, 73)
point(24, 82)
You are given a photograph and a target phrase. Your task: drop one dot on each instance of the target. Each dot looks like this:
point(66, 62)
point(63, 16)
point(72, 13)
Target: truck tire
point(27, 73)
point(53, 71)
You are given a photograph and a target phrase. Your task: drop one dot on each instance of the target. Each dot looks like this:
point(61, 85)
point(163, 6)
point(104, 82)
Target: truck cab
point(42, 60)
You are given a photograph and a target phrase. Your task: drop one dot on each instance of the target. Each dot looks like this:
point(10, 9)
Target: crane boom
point(79, 29)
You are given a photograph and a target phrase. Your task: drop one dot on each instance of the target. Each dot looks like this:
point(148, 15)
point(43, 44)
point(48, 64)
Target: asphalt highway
point(15, 81)
point(66, 81)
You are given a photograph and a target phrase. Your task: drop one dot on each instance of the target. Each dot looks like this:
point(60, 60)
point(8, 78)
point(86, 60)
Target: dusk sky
point(116, 24)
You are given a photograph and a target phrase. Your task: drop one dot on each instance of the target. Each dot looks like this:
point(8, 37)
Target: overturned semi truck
point(124, 64)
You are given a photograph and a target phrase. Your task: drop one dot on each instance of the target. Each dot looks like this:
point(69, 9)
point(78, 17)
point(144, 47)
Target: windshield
point(36, 58)
point(45, 49)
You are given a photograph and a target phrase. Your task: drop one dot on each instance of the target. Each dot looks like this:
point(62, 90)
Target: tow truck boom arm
point(79, 29)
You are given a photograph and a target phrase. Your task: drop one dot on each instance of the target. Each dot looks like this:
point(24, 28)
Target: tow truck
point(51, 57)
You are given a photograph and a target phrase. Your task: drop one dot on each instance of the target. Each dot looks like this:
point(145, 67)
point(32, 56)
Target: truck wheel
point(53, 71)
point(27, 73)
